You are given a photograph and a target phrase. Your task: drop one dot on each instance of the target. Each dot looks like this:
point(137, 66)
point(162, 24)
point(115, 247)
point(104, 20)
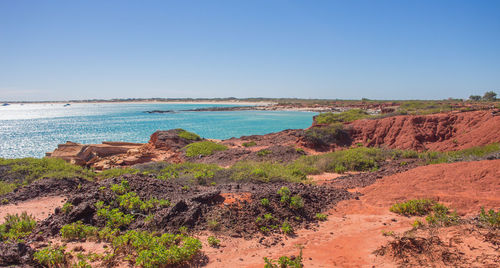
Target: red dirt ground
point(354, 227)
point(40, 208)
point(437, 132)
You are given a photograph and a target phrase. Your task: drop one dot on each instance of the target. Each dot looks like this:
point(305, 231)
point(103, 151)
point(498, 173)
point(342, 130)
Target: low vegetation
point(52, 256)
point(24, 171)
point(203, 148)
point(344, 117)
point(249, 144)
point(437, 214)
point(188, 135)
point(16, 227)
point(490, 218)
point(325, 135)
point(213, 241)
point(415, 207)
point(284, 262)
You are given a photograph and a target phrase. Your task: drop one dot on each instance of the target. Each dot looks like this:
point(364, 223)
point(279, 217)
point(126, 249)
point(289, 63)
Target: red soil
point(441, 132)
point(354, 228)
point(40, 208)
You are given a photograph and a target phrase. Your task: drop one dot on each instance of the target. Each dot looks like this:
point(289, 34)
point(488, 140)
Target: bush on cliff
point(344, 117)
point(204, 148)
point(323, 136)
point(188, 135)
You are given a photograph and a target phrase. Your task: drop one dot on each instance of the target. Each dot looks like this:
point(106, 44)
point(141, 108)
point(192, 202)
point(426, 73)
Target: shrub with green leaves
point(415, 207)
point(204, 148)
point(284, 193)
point(286, 228)
point(67, 208)
point(321, 217)
point(6, 187)
point(325, 135)
point(52, 256)
point(188, 135)
point(114, 217)
point(31, 169)
point(265, 172)
point(264, 152)
point(265, 202)
point(284, 262)
point(78, 231)
point(199, 172)
point(491, 217)
point(249, 144)
point(121, 188)
point(16, 227)
point(296, 202)
point(157, 250)
point(344, 117)
point(117, 172)
point(213, 241)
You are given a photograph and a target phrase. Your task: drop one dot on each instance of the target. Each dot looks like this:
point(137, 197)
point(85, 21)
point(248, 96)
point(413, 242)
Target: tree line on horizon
point(488, 96)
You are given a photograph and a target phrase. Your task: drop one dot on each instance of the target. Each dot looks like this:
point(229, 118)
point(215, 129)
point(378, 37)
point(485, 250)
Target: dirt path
point(40, 208)
point(354, 228)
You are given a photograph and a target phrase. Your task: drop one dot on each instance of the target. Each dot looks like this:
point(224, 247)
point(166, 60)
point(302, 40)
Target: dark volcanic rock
point(16, 254)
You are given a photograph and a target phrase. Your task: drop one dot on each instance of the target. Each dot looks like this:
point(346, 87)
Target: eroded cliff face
point(162, 146)
point(438, 132)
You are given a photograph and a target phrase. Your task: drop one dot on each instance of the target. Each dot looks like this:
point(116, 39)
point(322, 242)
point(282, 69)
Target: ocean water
point(30, 130)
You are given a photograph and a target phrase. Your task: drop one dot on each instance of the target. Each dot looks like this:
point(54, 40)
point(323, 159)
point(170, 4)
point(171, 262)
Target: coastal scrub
point(204, 148)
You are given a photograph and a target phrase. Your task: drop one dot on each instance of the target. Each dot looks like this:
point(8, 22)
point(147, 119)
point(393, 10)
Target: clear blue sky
point(57, 50)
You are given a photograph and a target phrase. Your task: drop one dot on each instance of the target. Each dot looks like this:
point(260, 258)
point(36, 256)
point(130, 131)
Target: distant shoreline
point(256, 103)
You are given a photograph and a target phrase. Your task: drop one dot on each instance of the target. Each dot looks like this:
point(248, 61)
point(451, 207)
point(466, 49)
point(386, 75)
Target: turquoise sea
point(30, 130)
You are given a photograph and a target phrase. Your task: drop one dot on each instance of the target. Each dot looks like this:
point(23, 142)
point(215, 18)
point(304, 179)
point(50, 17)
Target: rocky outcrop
point(162, 146)
point(441, 132)
point(81, 154)
point(169, 139)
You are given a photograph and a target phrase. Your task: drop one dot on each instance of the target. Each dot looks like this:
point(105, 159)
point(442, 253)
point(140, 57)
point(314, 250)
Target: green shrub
point(32, 169)
point(213, 224)
point(78, 231)
point(67, 208)
point(114, 217)
point(157, 251)
point(284, 262)
point(325, 135)
point(265, 172)
point(204, 148)
point(443, 218)
point(265, 202)
point(286, 228)
point(491, 217)
point(284, 193)
point(213, 241)
point(264, 152)
point(296, 202)
point(121, 188)
point(16, 227)
point(249, 144)
point(321, 217)
point(117, 172)
point(6, 188)
point(200, 172)
point(188, 135)
point(344, 117)
point(52, 257)
point(414, 207)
